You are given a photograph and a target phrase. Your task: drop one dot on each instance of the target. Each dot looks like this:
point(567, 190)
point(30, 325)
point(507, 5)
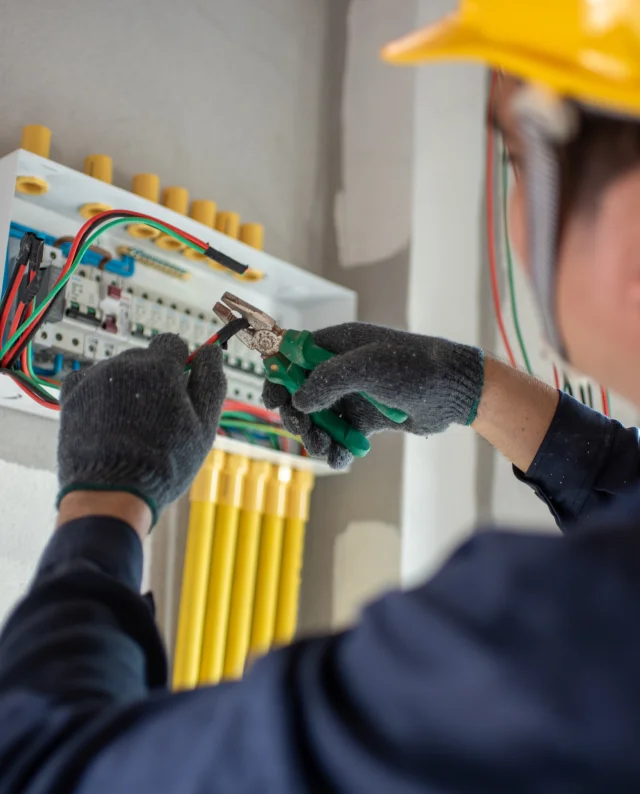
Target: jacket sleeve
point(584, 462)
point(444, 688)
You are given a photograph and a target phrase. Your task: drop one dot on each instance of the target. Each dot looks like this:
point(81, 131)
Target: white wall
point(439, 503)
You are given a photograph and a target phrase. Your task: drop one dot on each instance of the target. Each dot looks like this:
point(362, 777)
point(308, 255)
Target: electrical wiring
point(16, 345)
point(255, 424)
point(567, 387)
point(493, 267)
point(84, 240)
point(266, 429)
point(510, 268)
point(606, 406)
point(254, 410)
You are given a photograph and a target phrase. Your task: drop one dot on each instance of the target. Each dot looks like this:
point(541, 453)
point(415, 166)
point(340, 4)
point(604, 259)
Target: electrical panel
point(128, 287)
point(100, 315)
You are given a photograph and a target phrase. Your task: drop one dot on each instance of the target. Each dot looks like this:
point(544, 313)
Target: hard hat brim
point(451, 40)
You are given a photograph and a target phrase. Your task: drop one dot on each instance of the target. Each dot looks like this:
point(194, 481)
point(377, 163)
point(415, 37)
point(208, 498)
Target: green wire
point(266, 429)
point(79, 257)
point(512, 283)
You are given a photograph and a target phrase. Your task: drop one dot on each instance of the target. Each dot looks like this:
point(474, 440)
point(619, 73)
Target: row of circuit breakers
point(99, 315)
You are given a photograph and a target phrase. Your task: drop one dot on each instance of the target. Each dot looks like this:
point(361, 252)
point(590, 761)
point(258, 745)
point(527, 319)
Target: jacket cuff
point(566, 467)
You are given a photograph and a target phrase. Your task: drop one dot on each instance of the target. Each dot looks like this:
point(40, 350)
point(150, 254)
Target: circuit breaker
point(127, 288)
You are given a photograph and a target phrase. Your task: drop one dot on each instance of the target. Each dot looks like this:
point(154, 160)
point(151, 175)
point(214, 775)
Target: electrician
point(516, 667)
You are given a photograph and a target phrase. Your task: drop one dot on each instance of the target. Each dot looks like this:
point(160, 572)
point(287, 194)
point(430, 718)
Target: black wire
point(228, 331)
point(10, 286)
point(567, 385)
point(32, 387)
point(590, 395)
point(24, 341)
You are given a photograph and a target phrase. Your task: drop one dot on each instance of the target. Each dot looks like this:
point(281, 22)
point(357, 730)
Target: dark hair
point(604, 150)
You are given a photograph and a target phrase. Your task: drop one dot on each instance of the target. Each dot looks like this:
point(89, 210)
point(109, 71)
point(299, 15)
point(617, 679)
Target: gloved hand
point(137, 423)
point(436, 382)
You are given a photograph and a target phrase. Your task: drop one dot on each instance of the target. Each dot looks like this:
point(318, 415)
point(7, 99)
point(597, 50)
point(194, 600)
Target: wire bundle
point(255, 425)
point(503, 188)
point(28, 315)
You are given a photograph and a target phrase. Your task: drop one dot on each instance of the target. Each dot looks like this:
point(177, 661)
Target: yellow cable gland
point(32, 185)
point(93, 208)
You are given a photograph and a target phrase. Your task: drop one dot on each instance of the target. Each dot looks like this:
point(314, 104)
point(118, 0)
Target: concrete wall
point(225, 98)
point(368, 134)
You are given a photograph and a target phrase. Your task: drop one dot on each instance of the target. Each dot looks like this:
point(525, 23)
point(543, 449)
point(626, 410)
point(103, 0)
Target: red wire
point(556, 377)
point(11, 299)
point(210, 341)
point(95, 221)
point(35, 397)
point(255, 410)
point(490, 226)
point(606, 408)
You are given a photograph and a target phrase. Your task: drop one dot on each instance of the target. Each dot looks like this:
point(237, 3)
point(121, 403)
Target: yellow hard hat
point(588, 50)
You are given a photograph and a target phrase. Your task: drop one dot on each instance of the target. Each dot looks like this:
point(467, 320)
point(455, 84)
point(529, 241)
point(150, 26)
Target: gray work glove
point(137, 423)
point(436, 382)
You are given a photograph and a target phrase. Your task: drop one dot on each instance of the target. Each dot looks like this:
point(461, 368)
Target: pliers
point(288, 356)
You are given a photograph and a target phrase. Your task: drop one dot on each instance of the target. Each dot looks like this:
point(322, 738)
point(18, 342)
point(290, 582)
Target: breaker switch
point(114, 292)
point(110, 325)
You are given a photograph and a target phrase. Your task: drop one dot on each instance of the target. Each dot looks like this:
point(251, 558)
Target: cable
point(83, 241)
point(255, 410)
point(606, 407)
point(490, 229)
point(568, 388)
point(510, 268)
point(10, 295)
point(222, 336)
point(556, 377)
point(266, 429)
point(16, 350)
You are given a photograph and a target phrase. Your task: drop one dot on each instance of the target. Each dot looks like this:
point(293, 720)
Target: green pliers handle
point(300, 348)
point(291, 376)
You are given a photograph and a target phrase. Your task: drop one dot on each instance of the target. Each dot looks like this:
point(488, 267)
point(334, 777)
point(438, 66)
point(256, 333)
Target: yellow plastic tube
point(245, 569)
point(99, 166)
point(176, 199)
point(203, 211)
point(269, 559)
point(292, 552)
point(228, 223)
point(220, 576)
point(36, 139)
point(252, 234)
point(203, 497)
point(147, 186)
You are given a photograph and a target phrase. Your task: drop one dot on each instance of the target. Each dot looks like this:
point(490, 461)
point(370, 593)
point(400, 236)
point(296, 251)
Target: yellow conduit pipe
point(245, 569)
point(292, 551)
point(195, 577)
point(269, 558)
point(220, 576)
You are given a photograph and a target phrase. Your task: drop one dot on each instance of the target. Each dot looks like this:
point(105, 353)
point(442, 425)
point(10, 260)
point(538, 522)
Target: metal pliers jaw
point(263, 334)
